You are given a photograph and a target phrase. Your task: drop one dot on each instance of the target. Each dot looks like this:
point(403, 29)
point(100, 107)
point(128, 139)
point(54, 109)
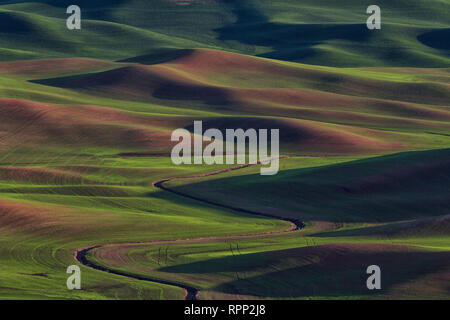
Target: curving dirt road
point(191, 292)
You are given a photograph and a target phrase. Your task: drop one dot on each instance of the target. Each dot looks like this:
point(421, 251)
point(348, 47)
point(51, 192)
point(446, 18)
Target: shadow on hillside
point(14, 24)
point(322, 271)
point(397, 187)
point(161, 55)
point(436, 39)
point(138, 84)
point(293, 42)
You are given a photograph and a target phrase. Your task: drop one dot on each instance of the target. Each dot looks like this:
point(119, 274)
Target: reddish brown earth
point(35, 69)
point(35, 123)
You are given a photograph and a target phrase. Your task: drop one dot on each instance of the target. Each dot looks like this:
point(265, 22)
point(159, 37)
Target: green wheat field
point(86, 118)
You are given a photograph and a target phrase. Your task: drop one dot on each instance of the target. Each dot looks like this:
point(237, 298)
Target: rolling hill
point(314, 32)
point(86, 176)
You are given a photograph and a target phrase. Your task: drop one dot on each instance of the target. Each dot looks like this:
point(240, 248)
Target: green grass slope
point(397, 187)
point(314, 32)
point(86, 118)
